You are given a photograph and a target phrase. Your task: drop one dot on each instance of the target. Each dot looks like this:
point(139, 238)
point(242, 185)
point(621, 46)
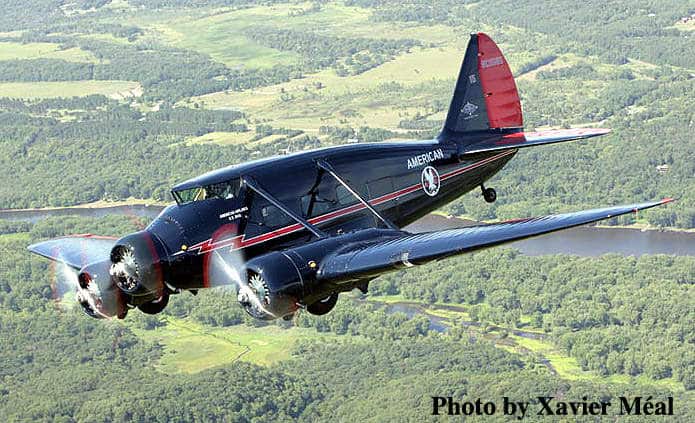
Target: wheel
point(122, 313)
point(321, 307)
point(490, 195)
point(155, 306)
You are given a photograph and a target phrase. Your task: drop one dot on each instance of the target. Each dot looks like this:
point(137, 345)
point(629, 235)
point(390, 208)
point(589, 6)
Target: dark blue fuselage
point(403, 181)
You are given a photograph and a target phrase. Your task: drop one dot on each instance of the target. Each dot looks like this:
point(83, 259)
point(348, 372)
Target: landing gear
point(155, 306)
point(489, 194)
point(321, 307)
point(122, 313)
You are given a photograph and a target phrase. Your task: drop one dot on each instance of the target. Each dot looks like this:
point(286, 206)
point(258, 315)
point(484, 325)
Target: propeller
point(65, 285)
point(90, 286)
point(63, 281)
point(225, 268)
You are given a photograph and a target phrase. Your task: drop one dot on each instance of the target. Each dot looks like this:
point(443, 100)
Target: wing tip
point(645, 206)
point(592, 132)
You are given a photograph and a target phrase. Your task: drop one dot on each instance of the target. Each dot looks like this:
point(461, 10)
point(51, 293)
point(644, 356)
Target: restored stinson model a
point(292, 232)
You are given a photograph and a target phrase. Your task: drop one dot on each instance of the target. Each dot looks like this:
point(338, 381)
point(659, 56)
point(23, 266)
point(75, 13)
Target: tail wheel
point(490, 195)
point(155, 306)
point(324, 306)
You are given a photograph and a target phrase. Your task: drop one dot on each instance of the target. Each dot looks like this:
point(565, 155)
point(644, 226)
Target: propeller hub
point(88, 296)
point(136, 267)
point(125, 269)
point(243, 298)
point(255, 297)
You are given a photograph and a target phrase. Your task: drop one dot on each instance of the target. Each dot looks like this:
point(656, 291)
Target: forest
point(105, 100)
point(359, 361)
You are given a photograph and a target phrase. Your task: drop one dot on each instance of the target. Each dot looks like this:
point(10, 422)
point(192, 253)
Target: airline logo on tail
point(488, 63)
point(469, 108)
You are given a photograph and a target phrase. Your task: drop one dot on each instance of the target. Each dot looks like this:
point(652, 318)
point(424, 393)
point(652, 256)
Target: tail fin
point(485, 99)
point(485, 113)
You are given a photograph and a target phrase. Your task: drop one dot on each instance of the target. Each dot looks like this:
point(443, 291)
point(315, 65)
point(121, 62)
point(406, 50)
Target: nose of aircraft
point(137, 265)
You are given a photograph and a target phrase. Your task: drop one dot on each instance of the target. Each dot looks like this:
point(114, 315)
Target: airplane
point(292, 232)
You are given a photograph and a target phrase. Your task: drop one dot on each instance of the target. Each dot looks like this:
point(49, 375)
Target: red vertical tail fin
point(485, 99)
point(499, 88)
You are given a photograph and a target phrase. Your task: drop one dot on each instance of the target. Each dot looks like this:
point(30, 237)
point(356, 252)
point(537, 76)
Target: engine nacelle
point(137, 268)
point(273, 287)
point(98, 294)
point(278, 283)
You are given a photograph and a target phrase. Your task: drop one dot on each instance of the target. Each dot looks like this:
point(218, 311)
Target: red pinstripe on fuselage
point(240, 241)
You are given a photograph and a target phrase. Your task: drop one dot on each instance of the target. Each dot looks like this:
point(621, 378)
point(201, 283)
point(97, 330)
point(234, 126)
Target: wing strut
point(255, 186)
point(322, 164)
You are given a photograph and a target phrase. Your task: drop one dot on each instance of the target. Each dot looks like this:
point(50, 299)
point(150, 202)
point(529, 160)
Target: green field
point(38, 90)
point(370, 95)
point(221, 35)
point(222, 138)
point(22, 51)
point(190, 347)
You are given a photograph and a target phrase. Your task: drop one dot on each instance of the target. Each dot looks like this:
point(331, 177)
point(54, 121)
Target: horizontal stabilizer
point(76, 251)
point(530, 139)
point(369, 259)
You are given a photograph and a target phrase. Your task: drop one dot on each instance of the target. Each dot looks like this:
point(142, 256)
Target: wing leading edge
point(369, 259)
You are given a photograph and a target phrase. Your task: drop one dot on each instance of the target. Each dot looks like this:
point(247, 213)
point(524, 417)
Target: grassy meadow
point(190, 347)
point(45, 89)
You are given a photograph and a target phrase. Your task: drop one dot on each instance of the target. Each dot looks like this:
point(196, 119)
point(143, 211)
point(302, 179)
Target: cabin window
point(315, 205)
point(186, 195)
point(345, 197)
point(264, 217)
point(223, 190)
point(273, 217)
point(327, 198)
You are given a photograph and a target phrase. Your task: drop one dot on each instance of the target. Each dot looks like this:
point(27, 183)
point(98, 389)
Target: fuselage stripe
point(240, 241)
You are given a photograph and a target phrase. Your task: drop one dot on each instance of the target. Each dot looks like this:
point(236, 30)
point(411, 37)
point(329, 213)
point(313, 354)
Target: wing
point(530, 139)
point(76, 250)
point(371, 258)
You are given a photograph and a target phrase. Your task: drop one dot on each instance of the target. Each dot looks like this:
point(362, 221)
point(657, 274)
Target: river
point(583, 241)
point(40, 214)
point(587, 241)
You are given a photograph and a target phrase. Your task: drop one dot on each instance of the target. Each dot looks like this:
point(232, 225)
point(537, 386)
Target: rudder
point(485, 98)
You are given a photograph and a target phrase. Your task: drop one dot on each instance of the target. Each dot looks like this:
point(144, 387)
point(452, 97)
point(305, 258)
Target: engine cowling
point(136, 266)
point(97, 293)
point(273, 287)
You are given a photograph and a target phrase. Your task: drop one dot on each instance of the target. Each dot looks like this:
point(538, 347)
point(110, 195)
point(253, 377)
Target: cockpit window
point(187, 195)
point(222, 190)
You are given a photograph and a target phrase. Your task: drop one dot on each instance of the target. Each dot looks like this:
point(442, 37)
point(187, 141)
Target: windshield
point(222, 190)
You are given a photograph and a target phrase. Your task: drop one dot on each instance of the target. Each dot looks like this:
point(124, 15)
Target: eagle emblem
point(430, 181)
point(469, 108)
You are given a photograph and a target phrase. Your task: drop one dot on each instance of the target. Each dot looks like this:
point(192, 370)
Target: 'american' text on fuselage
point(423, 159)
